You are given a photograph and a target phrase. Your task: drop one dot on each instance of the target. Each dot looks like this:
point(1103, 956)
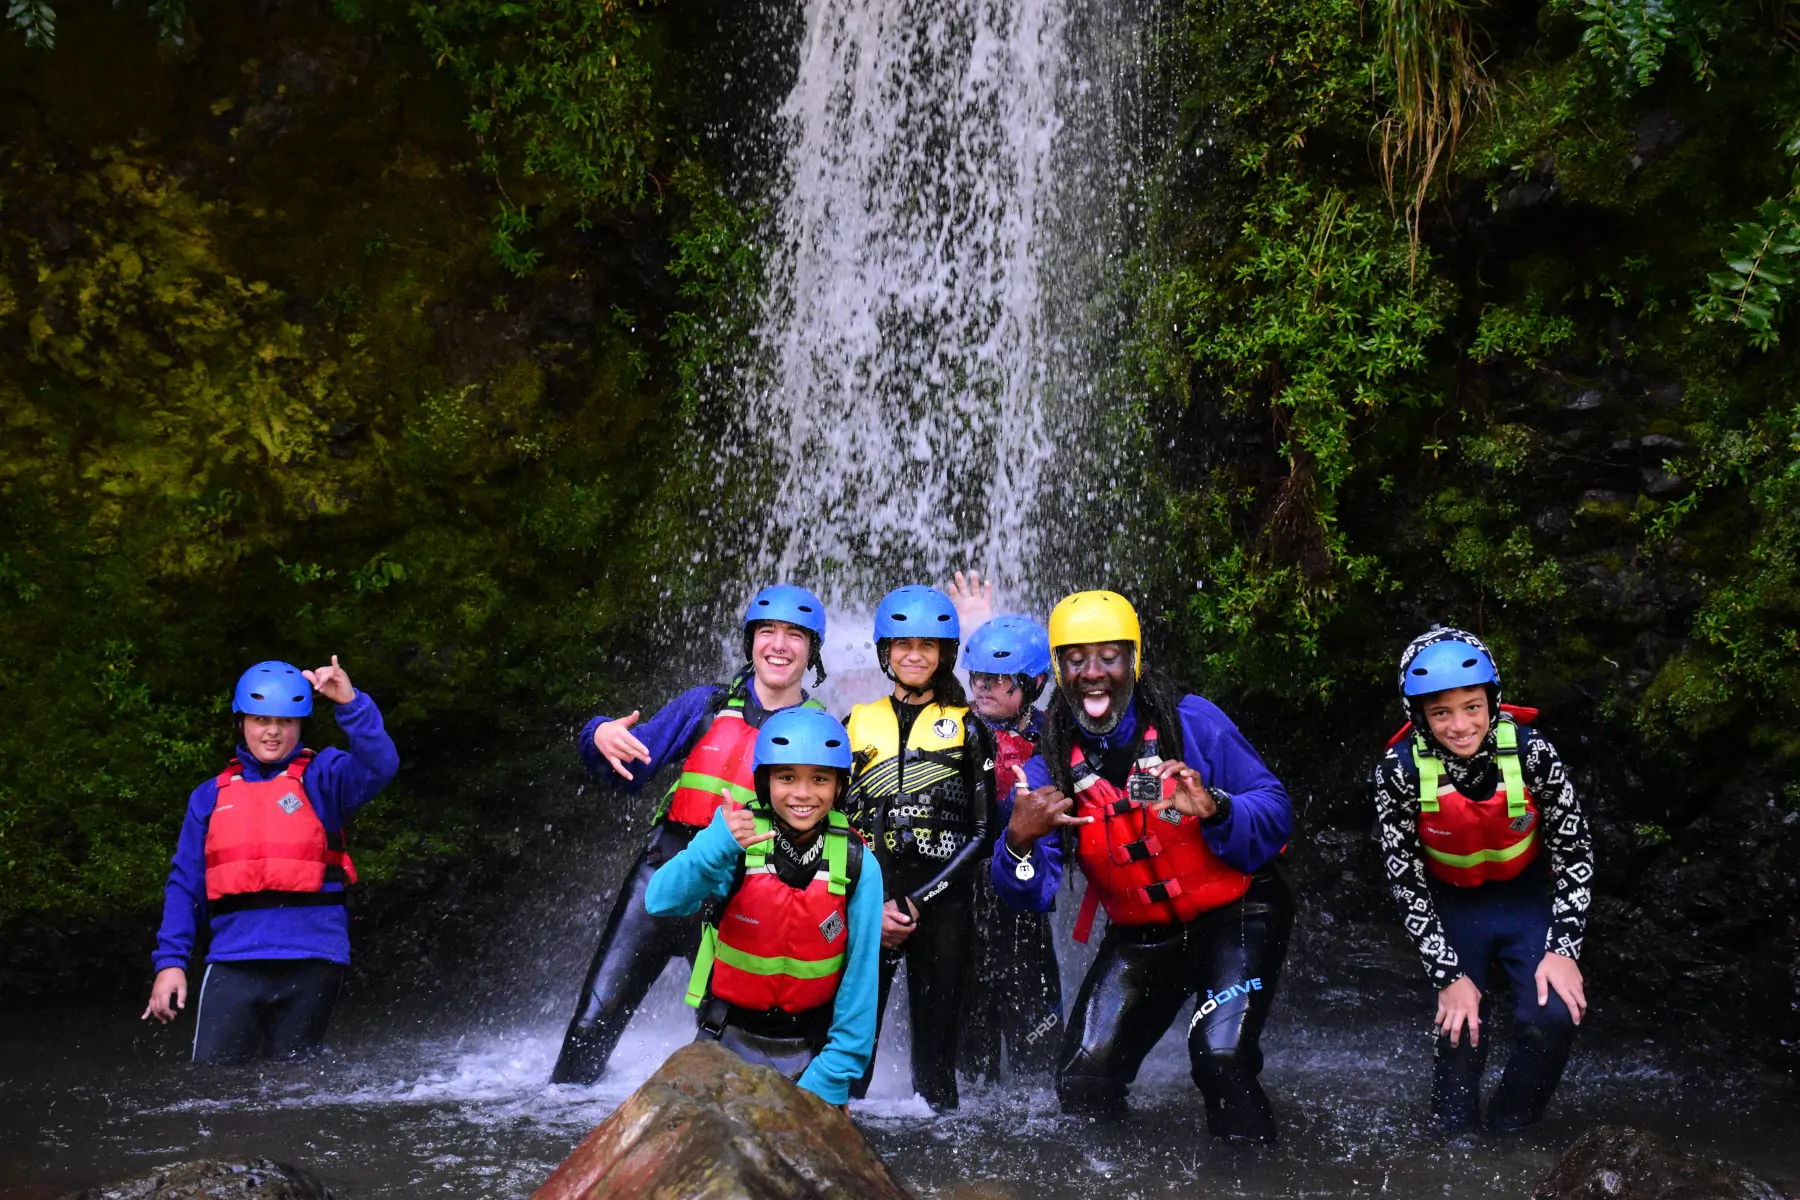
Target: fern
point(1629, 36)
point(37, 19)
point(1759, 263)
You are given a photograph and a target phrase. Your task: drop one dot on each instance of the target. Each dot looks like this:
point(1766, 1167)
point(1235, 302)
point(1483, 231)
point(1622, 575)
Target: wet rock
point(1615, 1163)
point(709, 1125)
point(209, 1179)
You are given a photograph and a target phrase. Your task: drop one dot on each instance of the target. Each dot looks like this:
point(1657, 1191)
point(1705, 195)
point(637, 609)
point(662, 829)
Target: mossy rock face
point(207, 1179)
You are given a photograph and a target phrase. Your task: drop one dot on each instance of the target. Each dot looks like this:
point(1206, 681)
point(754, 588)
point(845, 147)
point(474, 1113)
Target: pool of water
point(456, 1103)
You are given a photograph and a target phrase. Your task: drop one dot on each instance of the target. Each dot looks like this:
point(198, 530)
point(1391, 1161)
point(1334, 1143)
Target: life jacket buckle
point(1138, 851)
point(1121, 806)
point(1161, 892)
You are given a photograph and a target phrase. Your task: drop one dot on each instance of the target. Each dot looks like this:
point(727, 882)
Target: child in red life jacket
point(261, 856)
point(1015, 988)
point(1467, 797)
point(786, 974)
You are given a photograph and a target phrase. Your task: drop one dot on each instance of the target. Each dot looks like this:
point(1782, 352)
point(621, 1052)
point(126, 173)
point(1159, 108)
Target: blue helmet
point(802, 737)
point(1450, 663)
point(1009, 646)
point(917, 611)
point(785, 602)
point(273, 689)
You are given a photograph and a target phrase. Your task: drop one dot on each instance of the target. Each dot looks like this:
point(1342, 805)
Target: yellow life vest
point(912, 800)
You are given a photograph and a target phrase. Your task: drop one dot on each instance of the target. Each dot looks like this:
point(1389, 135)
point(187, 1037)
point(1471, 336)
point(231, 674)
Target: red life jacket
point(1145, 870)
point(267, 848)
point(1012, 749)
point(1471, 842)
point(719, 763)
point(775, 946)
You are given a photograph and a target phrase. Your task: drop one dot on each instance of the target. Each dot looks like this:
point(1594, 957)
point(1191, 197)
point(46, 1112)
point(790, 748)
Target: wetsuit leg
point(937, 961)
point(1237, 955)
point(788, 1055)
point(632, 954)
point(299, 999)
point(1127, 1001)
point(987, 990)
point(1030, 992)
point(1544, 1034)
point(228, 1023)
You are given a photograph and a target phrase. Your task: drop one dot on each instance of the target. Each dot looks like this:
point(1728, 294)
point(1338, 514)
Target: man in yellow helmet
point(1176, 823)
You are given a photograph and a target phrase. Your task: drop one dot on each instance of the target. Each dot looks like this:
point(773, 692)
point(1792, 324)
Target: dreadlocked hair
point(1157, 698)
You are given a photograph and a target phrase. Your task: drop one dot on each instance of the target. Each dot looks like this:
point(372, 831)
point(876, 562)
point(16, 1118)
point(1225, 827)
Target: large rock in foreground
point(1613, 1163)
point(709, 1126)
point(207, 1179)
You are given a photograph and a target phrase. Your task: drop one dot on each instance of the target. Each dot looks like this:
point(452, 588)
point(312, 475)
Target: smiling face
point(778, 654)
point(801, 796)
point(1459, 719)
point(271, 739)
point(996, 697)
point(1097, 682)
point(914, 661)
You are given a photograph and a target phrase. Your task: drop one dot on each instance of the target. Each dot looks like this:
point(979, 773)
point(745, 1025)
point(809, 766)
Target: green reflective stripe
point(1484, 856)
point(1506, 737)
point(837, 852)
point(758, 855)
point(703, 966)
point(780, 964)
point(712, 785)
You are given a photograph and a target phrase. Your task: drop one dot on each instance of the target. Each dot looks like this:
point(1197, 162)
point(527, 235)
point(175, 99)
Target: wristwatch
point(1223, 800)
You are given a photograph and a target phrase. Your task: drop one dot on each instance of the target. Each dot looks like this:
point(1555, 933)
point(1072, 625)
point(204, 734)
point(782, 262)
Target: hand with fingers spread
point(742, 823)
point(1190, 798)
point(168, 995)
point(332, 682)
point(1460, 1004)
point(614, 741)
point(973, 598)
point(1561, 973)
point(1036, 813)
point(897, 924)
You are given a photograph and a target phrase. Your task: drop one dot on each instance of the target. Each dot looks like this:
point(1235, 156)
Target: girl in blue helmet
point(1488, 857)
point(261, 858)
point(922, 793)
point(786, 974)
point(710, 732)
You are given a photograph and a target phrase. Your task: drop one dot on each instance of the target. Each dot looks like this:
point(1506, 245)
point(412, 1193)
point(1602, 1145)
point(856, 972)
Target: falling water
point(945, 238)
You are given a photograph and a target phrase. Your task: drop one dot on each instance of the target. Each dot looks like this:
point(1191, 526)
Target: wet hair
point(1157, 698)
point(815, 661)
point(945, 688)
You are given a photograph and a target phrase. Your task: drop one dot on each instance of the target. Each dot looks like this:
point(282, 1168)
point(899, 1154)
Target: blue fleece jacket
point(337, 784)
point(669, 735)
point(707, 867)
point(1260, 824)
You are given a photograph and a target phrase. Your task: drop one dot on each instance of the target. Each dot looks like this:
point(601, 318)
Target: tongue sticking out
point(1097, 706)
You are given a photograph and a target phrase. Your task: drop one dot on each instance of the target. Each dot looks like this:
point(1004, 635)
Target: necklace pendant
point(1024, 871)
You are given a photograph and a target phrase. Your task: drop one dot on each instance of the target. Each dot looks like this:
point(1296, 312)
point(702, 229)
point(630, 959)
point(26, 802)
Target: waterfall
point(944, 241)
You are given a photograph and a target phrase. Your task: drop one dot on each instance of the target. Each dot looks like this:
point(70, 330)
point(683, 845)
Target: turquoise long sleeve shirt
point(706, 869)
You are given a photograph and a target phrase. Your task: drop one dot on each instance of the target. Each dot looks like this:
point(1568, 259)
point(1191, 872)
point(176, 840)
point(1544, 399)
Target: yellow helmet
point(1095, 617)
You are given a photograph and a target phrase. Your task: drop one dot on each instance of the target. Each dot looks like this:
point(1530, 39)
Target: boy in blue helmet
point(1466, 796)
point(261, 856)
point(786, 972)
point(922, 793)
point(1015, 990)
point(711, 732)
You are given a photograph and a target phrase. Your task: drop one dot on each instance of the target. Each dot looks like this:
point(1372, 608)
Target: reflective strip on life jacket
point(1471, 842)
point(719, 765)
point(925, 774)
point(781, 919)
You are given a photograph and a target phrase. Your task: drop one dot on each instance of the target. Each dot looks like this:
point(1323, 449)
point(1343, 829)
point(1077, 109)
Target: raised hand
point(974, 600)
point(1036, 813)
point(742, 823)
point(615, 742)
point(332, 682)
point(1190, 797)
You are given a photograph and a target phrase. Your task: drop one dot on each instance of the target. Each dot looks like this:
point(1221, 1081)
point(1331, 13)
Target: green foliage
point(36, 19)
point(719, 263)
point(1526, 333)
point(566, 108)
point(1628, 36)
point(1760, 261)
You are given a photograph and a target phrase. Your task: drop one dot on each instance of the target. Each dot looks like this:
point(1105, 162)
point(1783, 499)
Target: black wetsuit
point(938, 953)
point(264, 1008)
